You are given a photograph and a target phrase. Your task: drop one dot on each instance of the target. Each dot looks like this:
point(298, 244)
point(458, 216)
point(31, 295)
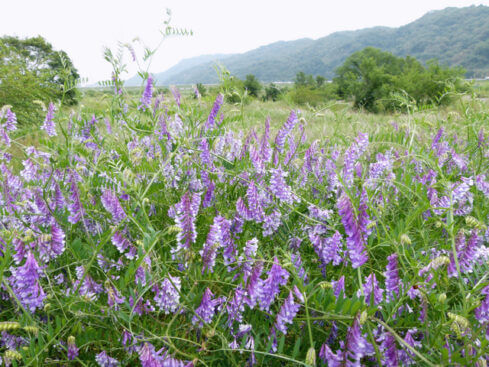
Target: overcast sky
point(83, 28)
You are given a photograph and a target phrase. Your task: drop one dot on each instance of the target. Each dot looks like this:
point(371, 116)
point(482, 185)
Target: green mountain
point(454, 36)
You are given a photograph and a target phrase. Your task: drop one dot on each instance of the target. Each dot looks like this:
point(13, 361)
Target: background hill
point(454, 36)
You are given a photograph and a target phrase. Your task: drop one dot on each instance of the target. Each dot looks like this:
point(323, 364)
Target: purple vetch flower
point(213, 242)
point(53, 245)
point(391, 358)
point(167, 296)
point(235, 306)
point(112, 205)
point(254, 285)
point(205, 155)
point(482, 312)
point(75, 207)
point(355, 228)
point(287, 313)
point(209, 195)
point(242, 209)
point(147, 95)
point(256, 211)
point(265, 149)
point(330, 358)
point(29, 173)
point(391, 274)
point(5, 137)
point(89, 288)
point(218, 236)
point(185, 215)
point(176, 95)
point(466, 253)
point(406, 357)
point(250, 249)
point(295, 257)
point(104, 360)
point(327, 249)
point(11, 122)
point(149, 357)
point(285, 130)
point(207, 309)
point(272, 222)
point(277, 276)
point(371, 286)
point(48, 124)
point(12, 342)
point(357, 345)
point(59, 199)
point(338, 286)
point(279, 187)
point(482, 185)
point(352, 154)
point(122, 244)
point(25, 284)
point(72, 348)
point(114, 298)
point(211, 119)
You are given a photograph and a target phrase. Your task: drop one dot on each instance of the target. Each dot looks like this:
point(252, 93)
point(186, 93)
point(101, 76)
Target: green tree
point(252, 85)
point(31, 70)
point(272, 93)
point(201, 88)
point(320, 80)
point(371, 77)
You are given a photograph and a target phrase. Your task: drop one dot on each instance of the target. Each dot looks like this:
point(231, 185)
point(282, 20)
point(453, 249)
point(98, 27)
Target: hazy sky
point(83, 28)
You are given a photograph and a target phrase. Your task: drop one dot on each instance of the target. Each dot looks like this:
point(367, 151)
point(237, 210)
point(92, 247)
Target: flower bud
point(311, 357)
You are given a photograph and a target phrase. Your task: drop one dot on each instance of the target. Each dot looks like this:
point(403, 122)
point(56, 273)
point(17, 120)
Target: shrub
point(31, 70)
point(372, 76)
point(252, 85)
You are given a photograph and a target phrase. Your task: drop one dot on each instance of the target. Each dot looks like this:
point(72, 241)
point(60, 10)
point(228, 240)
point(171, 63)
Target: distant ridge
point(454, 36)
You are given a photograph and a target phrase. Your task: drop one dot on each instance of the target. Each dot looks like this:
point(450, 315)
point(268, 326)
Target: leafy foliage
point(252, 85)
point(372, 76)
point(31, 70)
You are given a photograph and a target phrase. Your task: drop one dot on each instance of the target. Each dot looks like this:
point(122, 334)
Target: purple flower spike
point(104, 360)
point(277, 276)
point(25, 284)
point(72, 348)
point(391, 358)
point(371, 287)
point(48, 124)
point(256, 211)
point(482, 312)
point(185, 215)
point(11, 123)
point(167, 296)
point(206, 310)
point(285, 131)
point(112, 205)
point(279, 187)
point(355, 228)
point(356, 345)
point(211, 120)
point(338, 286)
point(392, 277)
point(75, 207)
point(287, 313)
point(147, 95)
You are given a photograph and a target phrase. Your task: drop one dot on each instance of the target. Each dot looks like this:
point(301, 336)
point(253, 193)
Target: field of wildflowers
point(156, 235)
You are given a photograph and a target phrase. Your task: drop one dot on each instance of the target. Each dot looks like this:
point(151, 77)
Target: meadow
point(167, 230)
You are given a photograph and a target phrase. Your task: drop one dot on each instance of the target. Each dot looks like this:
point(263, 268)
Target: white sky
point(83, 27)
